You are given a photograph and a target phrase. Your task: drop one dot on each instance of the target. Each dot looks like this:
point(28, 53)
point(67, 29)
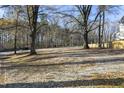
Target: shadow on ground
point(76, 83)
point(7, 65)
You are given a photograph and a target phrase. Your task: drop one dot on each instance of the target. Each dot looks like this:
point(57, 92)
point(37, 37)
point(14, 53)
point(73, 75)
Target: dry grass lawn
point(64, 67)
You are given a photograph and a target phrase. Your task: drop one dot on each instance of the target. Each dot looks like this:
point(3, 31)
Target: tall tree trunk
point(34, 29)
point(27, 40)
point(86, 33)
point(15, 38)
point(32, 50)
point(15, 42)
point(99, 42)
point(103, 25)
point(86, 46)
point(0, 42)
point(33, 40)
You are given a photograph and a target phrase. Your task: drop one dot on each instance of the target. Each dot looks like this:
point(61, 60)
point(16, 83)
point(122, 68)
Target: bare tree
point(32, 12)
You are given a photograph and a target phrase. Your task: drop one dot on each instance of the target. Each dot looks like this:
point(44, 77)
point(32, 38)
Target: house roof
point(122, 20)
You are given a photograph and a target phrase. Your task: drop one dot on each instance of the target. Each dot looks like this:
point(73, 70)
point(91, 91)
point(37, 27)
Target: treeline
point(47, 37)
point(31, 27)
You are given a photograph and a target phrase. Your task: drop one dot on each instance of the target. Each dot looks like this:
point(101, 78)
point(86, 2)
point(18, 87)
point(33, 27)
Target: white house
point(119, 35)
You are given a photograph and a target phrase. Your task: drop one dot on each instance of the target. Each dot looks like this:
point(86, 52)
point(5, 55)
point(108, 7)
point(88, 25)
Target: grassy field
point(64, 67)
